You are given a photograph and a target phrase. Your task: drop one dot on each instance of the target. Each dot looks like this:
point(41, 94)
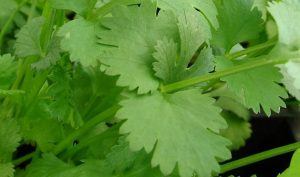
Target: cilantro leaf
point(38, 126)
point(171, 65)
point(135, 164)
point(286, 15)
point(132, 33)
point(28, 38)
point(293, 170)
point(6, 170)
point(51, 166)
point(238, 131)
point(5, 10)
point(238, 23)
point(251, 86)
point(62, 105)
point(285, 12)
point(261, 5)
point(8, 71)
point(176, 130)
point(9, 139)
point(83, 32)
point(207, 9)
point(79, 6)
point(28, 44)
point(291, 78)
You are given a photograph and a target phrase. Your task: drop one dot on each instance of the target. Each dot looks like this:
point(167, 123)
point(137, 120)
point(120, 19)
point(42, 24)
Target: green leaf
point(62, 106)
point(6, 170)
point(238, 23)
point(51, 166)
point(134, 164)
point(81, 32)
point(176, 126)
point(207, 8)
point(251, 86)
point(229, 101)
point(28, 44)
point(238, 131)
point(293, 170)
point(291, 78)
point(171, 65)
point(132, 33)
point(9, 138)
point(52, 56)
point(5, 10)
point(38, 126)
point(79, 6)
point(286, 14)
point(261, 5)
point(28, 38)
point(8, 71)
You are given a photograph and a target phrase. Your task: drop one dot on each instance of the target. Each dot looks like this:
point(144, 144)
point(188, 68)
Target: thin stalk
point(10, 21)
point(255, 48)
point(259, 157)
point(73, 136)
point(216, 75)
point(83, 144)
point(87, 126)
point(23, 159)
point(32, 9)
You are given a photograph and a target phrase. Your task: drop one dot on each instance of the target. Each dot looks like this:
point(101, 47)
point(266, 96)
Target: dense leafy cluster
point(140, 87)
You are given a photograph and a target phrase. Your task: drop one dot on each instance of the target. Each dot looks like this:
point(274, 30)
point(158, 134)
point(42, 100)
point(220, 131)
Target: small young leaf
point(80, 31)
point(238, 23)
point(9, 139)
point(6, 170)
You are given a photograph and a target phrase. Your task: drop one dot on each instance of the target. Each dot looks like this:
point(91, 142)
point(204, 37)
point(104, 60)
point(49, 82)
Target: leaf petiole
point(216, 75)
point(259, 157)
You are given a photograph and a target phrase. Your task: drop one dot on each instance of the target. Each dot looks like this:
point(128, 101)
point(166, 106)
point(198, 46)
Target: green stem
point(216, 75)
point(23, 159)
point(85, 143)
point(32, 9)
point(255, 48)
point(73, 136)
point(10, 21)
point(87, 126)
point(259, 157)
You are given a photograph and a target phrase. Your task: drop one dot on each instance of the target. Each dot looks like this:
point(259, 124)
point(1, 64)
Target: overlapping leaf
point(238, 21)
point(6, 170)
point(207, 10)
point(251, 86)
point(79, 6)
point(9, 139)
point(8, 71)
point(238, 131)
point(173, 61)
point(286, 14)
point(80, 31)
point(293, 170)
point(176, 132)
point(133, 32)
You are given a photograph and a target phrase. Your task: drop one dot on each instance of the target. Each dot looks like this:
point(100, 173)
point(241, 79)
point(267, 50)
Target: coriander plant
point(142, 88)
